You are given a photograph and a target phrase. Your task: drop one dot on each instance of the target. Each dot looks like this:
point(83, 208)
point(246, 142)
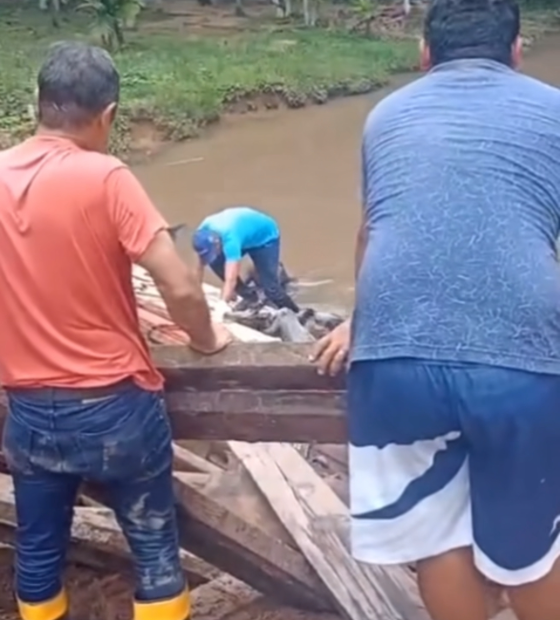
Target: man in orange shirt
point(85, 401)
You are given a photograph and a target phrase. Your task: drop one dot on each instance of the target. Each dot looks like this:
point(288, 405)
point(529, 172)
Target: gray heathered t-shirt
point(461, 175)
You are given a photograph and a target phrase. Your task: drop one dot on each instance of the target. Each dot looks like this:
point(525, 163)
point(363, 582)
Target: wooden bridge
point(261, 487)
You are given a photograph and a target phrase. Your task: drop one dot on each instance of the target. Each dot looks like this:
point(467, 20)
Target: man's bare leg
point(539, 600)
point(452, 588)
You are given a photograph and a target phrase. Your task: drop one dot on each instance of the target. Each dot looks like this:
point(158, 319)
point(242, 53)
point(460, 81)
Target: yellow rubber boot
point(54, 609)
point(178, 608)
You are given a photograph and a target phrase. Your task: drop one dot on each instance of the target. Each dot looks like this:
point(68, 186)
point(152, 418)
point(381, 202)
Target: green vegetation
point(110, 18)
point(181, 82)
point(176, 80)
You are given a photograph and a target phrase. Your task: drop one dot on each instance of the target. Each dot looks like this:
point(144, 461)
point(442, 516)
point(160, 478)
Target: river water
point(300, 166)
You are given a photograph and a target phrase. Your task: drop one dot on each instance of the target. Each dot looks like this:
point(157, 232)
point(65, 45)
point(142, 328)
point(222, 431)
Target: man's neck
point(75, 137)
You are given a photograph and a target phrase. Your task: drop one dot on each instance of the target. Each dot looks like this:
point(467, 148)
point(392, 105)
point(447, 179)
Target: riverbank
point(180, 74)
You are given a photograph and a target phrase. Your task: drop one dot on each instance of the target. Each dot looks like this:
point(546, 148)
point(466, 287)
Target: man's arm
point(199, 270)
point(231, 274)
point(361, 247)
point(362, 236)
point(180, 289)
point(142, 232)
point(231, 247)
point(330, 353)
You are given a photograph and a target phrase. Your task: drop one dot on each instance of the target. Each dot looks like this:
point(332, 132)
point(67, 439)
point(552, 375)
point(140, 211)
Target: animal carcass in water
point(287, 327)
point(306, 326)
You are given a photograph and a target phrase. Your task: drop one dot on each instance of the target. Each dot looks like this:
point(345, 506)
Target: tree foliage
point(111, 18)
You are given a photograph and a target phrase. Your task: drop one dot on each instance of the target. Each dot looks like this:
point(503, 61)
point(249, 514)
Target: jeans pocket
point(17, 444)
point(130, 438)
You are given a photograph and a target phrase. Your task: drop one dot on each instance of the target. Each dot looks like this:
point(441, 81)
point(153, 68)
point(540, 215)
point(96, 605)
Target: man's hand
point(219, 340)
point(227, 295)
point(331, 352)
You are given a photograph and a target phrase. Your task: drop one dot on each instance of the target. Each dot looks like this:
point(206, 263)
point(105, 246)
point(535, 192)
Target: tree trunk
point(306, 13)
point(119, 35)
point(55, 12)
point(280, 8)
point(239, 10)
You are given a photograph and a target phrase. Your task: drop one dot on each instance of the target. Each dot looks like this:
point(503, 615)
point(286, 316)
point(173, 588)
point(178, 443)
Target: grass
point(181, 83)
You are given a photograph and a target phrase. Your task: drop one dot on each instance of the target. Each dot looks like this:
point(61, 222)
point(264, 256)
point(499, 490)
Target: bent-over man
point(85, 400)
point(454, 379)
point(223, 238)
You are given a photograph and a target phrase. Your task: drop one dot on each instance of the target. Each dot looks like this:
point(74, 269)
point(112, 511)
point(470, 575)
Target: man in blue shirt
point(221, 241)
point(454, 378)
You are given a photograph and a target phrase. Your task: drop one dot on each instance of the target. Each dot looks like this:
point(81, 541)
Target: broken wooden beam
point(249, 392)
point(315, 516)
point(252, 392)
point(242, 366)
point(210, 529)
point(186, 460)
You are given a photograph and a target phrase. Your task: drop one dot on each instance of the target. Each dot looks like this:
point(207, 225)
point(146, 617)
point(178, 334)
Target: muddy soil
point(96, 596)
point(93, 596)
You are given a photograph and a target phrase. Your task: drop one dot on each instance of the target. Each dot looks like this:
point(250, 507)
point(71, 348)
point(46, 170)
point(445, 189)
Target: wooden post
point(250, 392)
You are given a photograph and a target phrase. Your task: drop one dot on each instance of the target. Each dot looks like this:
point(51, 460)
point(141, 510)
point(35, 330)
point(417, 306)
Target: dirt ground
point(94, 596)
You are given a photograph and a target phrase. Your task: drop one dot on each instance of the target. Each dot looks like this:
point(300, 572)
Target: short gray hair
point(76, 82)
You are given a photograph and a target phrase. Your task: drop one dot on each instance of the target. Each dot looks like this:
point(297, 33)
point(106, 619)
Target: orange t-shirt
point(71, 224)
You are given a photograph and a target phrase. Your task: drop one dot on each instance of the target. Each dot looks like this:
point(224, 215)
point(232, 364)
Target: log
point(231, 542)
point(312, 513)
point(251, 365)
point(185, 460)
point(249, 392)
point(265, 415)
point(252, 392)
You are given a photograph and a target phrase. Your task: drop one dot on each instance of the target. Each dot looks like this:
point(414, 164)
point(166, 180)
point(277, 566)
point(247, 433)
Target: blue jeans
point(122, 441)
point(266, 260)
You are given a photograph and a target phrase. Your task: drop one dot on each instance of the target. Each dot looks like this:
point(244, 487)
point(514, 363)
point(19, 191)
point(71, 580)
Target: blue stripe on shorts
point(505, 424)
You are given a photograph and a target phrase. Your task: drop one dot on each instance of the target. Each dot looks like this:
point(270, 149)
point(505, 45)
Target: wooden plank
point(214, 532)
point(237, 490)
point(250, 392)
point(260, 366)
point(250, 415)
point(312, 513)
point(97, 540)
point(186, 460)
point(222, 597)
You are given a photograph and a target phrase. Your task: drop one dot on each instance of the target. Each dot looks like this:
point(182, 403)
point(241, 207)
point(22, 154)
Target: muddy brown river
point(300, 166)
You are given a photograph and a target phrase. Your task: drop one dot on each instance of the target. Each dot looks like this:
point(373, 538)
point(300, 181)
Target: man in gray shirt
point(454, 379)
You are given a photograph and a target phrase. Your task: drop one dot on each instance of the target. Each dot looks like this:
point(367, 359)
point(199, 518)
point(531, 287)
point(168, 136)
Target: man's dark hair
point(76, 83)
point(456, 29)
